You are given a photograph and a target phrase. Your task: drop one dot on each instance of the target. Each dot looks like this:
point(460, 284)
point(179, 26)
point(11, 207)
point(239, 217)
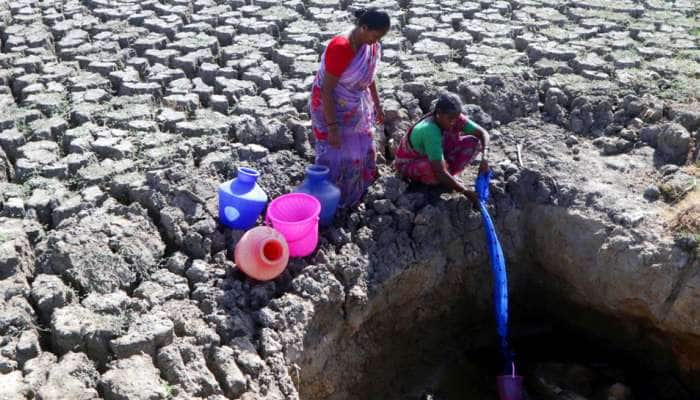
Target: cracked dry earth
point(120, 118)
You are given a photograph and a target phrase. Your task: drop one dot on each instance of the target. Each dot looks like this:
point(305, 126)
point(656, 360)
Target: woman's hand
point(379, 114)
point(439, 168)
point(484, 167)
point(377, 104)
point(472, 196)
point(334, 139)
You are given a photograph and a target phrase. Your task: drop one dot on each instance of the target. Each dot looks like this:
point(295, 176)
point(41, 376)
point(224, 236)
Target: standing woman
point(344, 105)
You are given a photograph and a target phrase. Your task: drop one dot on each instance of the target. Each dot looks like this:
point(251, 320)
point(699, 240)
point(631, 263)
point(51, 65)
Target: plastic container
point(262, 253)
point(241, 200)
point(510, 387)
point(318, 185)
point(296, 216)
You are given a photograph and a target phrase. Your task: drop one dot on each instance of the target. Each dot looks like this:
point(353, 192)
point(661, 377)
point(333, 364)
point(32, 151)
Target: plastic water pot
point(317, 184)
point(510, 387)
point(241, 200)
point(262, 253)
point(296, 216)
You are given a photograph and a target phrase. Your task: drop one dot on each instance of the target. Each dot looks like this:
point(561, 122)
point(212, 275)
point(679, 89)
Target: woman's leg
point(460, 151)
point(369, 170)
point(417, 170)
point(352, 167)
point(413, 166)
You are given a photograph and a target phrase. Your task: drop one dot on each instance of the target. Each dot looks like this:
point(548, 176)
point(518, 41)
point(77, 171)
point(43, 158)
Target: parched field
point(118, 119)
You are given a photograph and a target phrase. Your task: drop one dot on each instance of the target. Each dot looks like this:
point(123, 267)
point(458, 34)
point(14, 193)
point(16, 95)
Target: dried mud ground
point(119, 119)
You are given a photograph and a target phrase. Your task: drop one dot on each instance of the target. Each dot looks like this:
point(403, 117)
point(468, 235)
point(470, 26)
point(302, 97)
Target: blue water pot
point(318, 185)
point(241, 200)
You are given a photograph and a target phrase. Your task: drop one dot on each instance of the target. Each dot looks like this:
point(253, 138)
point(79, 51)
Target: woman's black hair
point(373, 19)
point(447, 103)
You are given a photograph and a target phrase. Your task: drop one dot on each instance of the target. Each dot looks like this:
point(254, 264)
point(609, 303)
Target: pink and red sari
point(459, 150)
point(353, 166)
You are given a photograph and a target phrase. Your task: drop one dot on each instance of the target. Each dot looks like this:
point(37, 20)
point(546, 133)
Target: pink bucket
point(295, 216)
point(510, 387)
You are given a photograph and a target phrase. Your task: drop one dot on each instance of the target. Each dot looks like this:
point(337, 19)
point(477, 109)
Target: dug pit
point(428, 331)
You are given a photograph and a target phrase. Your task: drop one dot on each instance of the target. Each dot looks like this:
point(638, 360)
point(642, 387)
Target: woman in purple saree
point(344, 105)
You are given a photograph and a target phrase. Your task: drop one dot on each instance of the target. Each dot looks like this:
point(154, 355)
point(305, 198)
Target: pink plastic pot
point(262, 253)
point(510, 387)
point(296, 216)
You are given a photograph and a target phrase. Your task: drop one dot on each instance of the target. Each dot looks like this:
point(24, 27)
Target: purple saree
point(352, 166)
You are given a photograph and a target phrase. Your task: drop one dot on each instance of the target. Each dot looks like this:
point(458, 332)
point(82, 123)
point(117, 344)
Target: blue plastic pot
point(241, 200)
point(318, 185)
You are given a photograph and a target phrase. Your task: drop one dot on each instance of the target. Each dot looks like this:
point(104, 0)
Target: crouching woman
point(441, 145)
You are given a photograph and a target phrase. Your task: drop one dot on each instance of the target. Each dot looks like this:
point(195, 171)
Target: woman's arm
point(329, 83)
point(440, 170)
point(377, 105)
point(483, 136)
point(485, 141)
